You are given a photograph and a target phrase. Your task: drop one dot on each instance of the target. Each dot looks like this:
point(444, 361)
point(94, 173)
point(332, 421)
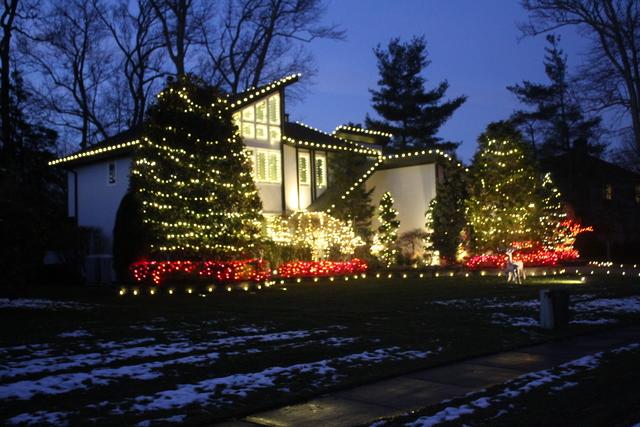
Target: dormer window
point(608, 191)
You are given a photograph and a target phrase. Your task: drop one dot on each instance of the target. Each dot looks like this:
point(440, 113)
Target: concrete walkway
point(395, 396)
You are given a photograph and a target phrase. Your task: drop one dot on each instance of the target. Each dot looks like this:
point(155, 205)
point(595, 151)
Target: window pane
point(248, 114)
point(261, 132)
point(303, 169)
point(261, 112)
point(261, 166)
point(321, 171)
point(274, 109)
point(248, 130)
point(274, 134)
point(274, 167)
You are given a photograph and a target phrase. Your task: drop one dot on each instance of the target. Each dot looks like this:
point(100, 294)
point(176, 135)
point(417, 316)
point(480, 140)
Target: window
point(248, 130)
point(638, 193)
point(274, 109)
point(608, 191)
point(237, 121)
point(261, 112)
point(267, 166)
point(303, 168)
point(321, 171)
point(261, 132)
point(247, 114)
point(111, 173)
point(274, 134)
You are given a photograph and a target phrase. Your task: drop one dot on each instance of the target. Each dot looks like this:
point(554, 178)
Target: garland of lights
point(157, 272)
point(293, 269)
point(362, 130)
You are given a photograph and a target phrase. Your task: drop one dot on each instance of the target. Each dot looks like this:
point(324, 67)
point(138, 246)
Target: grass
point(367, 314)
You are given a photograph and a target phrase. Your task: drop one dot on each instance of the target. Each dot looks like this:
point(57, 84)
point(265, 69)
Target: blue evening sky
point(474, 44)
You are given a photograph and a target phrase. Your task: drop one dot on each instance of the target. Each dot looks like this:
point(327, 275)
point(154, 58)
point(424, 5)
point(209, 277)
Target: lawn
point(191, 358)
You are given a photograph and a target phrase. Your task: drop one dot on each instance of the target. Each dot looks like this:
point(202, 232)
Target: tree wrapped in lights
point(505, 204)
point(387, 231)
point(430, 255)
point(193, 179)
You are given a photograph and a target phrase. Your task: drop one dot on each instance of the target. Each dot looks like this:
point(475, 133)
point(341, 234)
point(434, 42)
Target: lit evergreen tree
point(449, 211)
point(388, 230)
point(430, 255)
point(193, 178)
point(505, 204)
point(409, 111)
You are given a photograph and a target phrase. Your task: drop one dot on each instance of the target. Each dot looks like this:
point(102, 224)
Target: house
point(291, 168)
point(602, 195)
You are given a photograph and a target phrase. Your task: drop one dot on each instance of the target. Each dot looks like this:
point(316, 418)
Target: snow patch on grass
point(80, 333)
point(43, 304)
point(217, 391)
point(40, 418)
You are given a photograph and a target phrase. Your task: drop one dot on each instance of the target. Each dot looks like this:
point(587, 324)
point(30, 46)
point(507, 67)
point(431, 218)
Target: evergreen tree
point(193, 178)
point(356, 207)
point(410, 112)
point(505, 204)
point(32, 203)
point(388, 230)
point(556, 124)
point(430, 255)
point(449, 212)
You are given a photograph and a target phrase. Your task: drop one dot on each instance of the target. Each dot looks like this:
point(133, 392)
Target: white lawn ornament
point(514, 269)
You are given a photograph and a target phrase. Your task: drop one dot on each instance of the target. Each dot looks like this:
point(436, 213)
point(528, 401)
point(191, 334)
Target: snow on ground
point(12, 369)
point(43, 304)
point(80, 333)
point(40, 418)
point(587, 309)
point(519, 386)
point(218, 390)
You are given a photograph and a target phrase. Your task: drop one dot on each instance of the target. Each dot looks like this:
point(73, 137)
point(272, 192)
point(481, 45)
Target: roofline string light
point(354, 143)
point(94, 152)
point(362, 130)
point(318, 145)
point(256, 92)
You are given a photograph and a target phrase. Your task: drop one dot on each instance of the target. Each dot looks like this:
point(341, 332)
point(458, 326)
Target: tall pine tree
point(555, 123)
point(505, 203)
point(193, 178)
point(448, 212)
point(409, 111)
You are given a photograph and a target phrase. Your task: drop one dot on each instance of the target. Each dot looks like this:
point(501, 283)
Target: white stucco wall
point(412, 188)
point(290, 178)
point(98, 201)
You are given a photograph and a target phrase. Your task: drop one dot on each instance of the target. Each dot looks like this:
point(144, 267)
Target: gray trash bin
point(554, 308)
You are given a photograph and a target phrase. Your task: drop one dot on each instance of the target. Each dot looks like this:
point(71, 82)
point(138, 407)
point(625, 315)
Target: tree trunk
point(8, 18)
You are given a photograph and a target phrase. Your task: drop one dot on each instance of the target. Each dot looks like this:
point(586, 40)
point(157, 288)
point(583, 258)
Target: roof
point(124, 142)
point(358, 134)
point(249, 95)
point(588, 167)
point(301, 135)
point(117, 145)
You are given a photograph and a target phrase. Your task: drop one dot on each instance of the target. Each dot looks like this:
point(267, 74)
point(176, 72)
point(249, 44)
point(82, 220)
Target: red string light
point(321, 268)
point(219, 271)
